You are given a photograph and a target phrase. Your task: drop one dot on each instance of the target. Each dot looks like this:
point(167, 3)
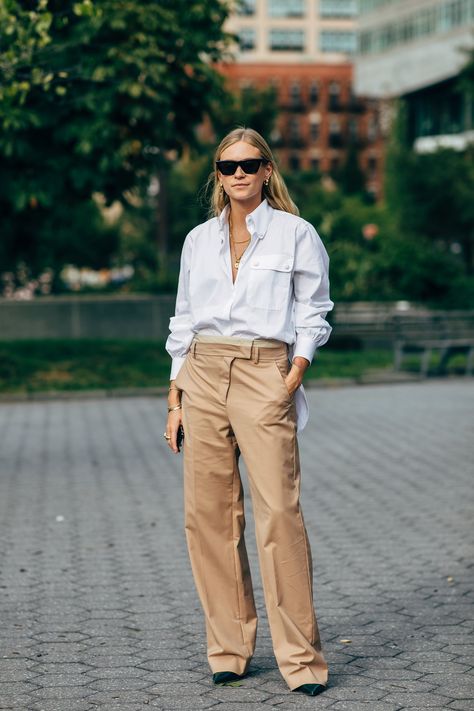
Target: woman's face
point(243, 186)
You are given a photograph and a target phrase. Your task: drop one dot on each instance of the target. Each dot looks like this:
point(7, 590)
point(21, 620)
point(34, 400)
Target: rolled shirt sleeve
point(180, 326)
point(311, 293)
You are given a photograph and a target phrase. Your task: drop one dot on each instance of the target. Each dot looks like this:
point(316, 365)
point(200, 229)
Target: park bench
point(448, 332)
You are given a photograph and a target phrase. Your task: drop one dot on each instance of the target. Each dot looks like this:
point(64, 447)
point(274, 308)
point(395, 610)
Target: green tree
point(97, 96)
point(351, 177)
point(248, 106)
point(431, 194)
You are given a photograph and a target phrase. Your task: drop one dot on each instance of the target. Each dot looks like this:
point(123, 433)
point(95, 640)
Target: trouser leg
point(214, 516)
point(263, 417)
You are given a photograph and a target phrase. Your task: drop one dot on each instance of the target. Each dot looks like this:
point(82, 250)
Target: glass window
point(338, 41)
point(372, 128)
point(294, 162)
point(287, 40)
point(247, 38)
point(372, 166)
point(314, 131)
point(314, 92)
point(420, 23)
point(246, 7)
point(353, 126)
point(286, 8)
point(338, 8)
point(295, 90)
point(315, 164)
point(294, 127)
point(334, 96)
point(335, 163)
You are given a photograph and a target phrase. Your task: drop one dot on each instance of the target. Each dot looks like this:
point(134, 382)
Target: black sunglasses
point(249, 166)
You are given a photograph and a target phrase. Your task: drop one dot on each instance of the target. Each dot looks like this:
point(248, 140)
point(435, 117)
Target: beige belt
point(260, 342)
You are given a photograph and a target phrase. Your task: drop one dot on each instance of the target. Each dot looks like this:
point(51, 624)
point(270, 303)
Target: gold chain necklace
point(233, 243)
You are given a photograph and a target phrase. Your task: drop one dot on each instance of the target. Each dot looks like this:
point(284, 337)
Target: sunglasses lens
point(227, 167)
point(251, 166)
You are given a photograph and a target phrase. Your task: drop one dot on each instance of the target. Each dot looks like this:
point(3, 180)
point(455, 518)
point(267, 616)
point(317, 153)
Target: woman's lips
point(241, 185)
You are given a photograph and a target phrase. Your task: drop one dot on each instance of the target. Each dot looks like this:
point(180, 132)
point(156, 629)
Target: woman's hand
point(175, 417)
point(295, 377)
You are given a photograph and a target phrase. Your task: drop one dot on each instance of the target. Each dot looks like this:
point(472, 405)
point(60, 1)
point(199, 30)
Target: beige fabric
point(235, 400)
point(261, 342)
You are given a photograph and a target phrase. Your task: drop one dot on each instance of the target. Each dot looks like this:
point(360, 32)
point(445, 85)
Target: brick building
point(304, 48)
point(319, 116)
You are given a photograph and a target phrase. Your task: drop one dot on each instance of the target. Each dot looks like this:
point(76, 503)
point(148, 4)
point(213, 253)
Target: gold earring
point(267, 181)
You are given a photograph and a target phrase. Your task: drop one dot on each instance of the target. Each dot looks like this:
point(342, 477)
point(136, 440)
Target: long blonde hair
point(275, 192)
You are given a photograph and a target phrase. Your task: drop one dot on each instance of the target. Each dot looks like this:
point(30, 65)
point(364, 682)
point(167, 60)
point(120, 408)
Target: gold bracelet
point(177, 407)
point(173, 387)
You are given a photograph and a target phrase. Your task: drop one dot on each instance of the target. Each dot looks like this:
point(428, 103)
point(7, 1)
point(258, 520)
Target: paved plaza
point(97, 603)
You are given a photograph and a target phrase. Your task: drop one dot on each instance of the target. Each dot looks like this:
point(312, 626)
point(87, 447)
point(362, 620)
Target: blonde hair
point(275, 192)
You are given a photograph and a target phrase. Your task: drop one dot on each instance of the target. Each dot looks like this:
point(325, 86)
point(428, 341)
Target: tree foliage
point(430, 194)
point(95, 95)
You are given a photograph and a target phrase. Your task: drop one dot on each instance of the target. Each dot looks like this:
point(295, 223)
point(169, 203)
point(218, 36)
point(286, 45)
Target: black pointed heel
point(311, 689)
point(225, 676)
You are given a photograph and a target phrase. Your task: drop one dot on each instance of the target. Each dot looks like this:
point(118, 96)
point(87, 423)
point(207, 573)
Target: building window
point(372, 129)
point(286, 8)
point(338, 41)
point(338, 8)
point(366, 6)
point(335, 164)
point(294, 162)
point(314, 93)
point(295, 94)
point(420, 23)
point(453, 13)
point(372, 166)
point(247, 39)
point(245, 84)
point(353, 129)
point(335, 137)
point(314, 131)
point(315, 164)
point(334, 96)
point(246, 7)
point(292, 40)
point(294, 128)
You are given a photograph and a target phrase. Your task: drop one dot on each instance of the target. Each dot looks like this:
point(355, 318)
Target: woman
point(253, 293)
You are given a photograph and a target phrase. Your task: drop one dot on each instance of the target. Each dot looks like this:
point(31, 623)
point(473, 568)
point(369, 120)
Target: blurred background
point(110, 113)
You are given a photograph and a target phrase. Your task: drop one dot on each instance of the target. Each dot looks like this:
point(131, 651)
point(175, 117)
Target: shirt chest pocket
point(269, 281)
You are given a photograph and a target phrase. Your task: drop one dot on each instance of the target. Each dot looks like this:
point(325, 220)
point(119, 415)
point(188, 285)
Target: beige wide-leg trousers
point(235, 400)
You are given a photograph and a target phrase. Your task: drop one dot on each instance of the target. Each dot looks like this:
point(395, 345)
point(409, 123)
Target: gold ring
point(166, 436)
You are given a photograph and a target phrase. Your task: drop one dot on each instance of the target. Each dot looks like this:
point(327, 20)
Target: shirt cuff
point(304, 347)
point(176, 364)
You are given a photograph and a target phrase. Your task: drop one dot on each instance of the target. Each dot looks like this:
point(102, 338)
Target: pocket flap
point(279, 262)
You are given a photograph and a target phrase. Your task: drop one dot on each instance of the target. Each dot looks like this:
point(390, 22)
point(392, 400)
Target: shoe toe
point(311, 689)
point(225, 676)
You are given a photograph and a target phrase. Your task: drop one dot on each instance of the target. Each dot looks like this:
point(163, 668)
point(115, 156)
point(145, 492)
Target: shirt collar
point(257, 221)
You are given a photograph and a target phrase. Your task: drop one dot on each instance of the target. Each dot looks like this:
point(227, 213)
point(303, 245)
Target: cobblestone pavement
point(98, 608)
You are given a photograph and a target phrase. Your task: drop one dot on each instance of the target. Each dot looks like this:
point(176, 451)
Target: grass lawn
point(35, 366)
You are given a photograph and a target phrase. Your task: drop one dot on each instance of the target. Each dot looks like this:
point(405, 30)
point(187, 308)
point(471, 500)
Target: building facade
point(294, 31)
point(414, 49)
point(304, 48)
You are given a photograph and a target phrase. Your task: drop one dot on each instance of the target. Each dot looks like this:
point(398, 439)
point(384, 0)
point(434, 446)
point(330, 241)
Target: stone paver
point(97, 603)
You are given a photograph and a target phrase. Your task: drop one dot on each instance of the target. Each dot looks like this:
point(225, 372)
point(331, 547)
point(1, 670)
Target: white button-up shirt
point(281, 290)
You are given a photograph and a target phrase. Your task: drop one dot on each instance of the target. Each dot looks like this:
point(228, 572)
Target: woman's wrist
point(174, 395)
point(301, 363)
